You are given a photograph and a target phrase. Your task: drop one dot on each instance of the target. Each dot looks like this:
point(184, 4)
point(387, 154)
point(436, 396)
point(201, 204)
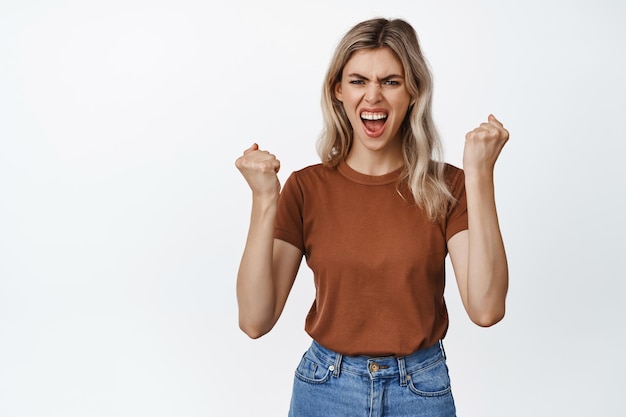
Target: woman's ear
point(338, 94)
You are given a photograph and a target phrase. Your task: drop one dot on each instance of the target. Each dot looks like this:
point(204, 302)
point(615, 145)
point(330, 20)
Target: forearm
point(487, 270)
point(256, 294)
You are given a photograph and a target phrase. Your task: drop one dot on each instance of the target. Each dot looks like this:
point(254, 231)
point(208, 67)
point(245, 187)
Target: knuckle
point(481, 135)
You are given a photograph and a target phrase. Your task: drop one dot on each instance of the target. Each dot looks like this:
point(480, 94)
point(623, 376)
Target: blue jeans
point(328, 384)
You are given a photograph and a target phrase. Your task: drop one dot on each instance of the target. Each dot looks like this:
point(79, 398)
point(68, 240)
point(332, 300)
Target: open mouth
point(374, 121)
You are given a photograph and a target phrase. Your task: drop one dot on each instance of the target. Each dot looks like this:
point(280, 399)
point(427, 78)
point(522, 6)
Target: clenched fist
point(259, 168)
point(483, 146)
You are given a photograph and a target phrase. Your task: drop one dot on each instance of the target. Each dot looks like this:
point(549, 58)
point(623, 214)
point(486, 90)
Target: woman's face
point(375, 99)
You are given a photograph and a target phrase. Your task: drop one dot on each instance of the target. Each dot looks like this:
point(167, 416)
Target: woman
point(375, 221)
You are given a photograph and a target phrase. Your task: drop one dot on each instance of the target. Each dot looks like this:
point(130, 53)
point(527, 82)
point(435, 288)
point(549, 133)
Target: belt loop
point(337, 366)
point(443, 351)
point(402, 369)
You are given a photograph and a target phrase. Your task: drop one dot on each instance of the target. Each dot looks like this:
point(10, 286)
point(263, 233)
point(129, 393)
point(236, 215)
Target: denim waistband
point(379, 367)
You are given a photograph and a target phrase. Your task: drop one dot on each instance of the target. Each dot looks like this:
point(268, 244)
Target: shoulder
point(455, 178)
point(313, 174)
point(314, 169)
point(451, 171)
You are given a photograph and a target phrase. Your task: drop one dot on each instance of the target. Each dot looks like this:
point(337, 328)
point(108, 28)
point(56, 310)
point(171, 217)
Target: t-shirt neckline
point(360, 178)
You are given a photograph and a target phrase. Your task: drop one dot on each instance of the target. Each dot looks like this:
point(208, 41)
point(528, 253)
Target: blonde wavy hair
point(424, 169)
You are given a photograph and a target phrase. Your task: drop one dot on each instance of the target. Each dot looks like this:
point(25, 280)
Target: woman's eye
point(392, 82)
point(357, 82)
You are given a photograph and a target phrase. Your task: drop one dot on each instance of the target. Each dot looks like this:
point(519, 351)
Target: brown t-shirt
point(378, 262)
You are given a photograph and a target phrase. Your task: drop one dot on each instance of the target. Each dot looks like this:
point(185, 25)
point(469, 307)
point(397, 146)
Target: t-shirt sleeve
point(457, 214)
point(289, 224)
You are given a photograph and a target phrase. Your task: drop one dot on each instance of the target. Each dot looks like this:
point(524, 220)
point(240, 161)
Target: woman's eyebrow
point(362, 77)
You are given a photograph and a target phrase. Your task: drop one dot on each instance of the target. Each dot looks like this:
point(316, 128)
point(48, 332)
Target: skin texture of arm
point(268, 266)
point(477, 254)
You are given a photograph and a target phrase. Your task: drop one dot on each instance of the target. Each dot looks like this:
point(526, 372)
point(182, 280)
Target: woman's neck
point(372, 163)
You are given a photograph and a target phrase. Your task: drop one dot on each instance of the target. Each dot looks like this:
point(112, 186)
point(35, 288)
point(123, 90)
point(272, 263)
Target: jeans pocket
point(431, 381)
point(312, 371)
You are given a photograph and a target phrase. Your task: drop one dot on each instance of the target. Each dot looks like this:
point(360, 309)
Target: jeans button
point(374, 367)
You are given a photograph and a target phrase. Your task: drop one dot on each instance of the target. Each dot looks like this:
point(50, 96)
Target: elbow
point(253, 331)
point(253, 334)
point(488, 318)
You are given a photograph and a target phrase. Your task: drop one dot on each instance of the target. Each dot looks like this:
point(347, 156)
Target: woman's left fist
point(483, 145)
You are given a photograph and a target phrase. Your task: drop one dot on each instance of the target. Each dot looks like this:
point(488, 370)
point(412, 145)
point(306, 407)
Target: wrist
point(264, 198)
point(479, 175)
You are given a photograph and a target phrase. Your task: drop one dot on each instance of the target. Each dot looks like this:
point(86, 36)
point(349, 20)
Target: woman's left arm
point(477, 254)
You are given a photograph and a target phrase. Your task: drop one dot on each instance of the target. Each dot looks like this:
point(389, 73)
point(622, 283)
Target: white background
point(123, 218)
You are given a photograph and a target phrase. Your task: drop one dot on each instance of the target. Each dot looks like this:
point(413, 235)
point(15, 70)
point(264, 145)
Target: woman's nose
point(373, 93)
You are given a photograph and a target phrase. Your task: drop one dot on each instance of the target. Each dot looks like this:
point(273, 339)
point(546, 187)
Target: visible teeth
point(373, 116)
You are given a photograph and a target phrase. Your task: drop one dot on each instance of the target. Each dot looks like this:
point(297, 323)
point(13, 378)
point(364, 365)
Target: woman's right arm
point(268, 266)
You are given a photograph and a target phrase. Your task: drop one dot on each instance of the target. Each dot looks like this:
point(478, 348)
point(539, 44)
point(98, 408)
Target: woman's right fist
point(259, 168)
